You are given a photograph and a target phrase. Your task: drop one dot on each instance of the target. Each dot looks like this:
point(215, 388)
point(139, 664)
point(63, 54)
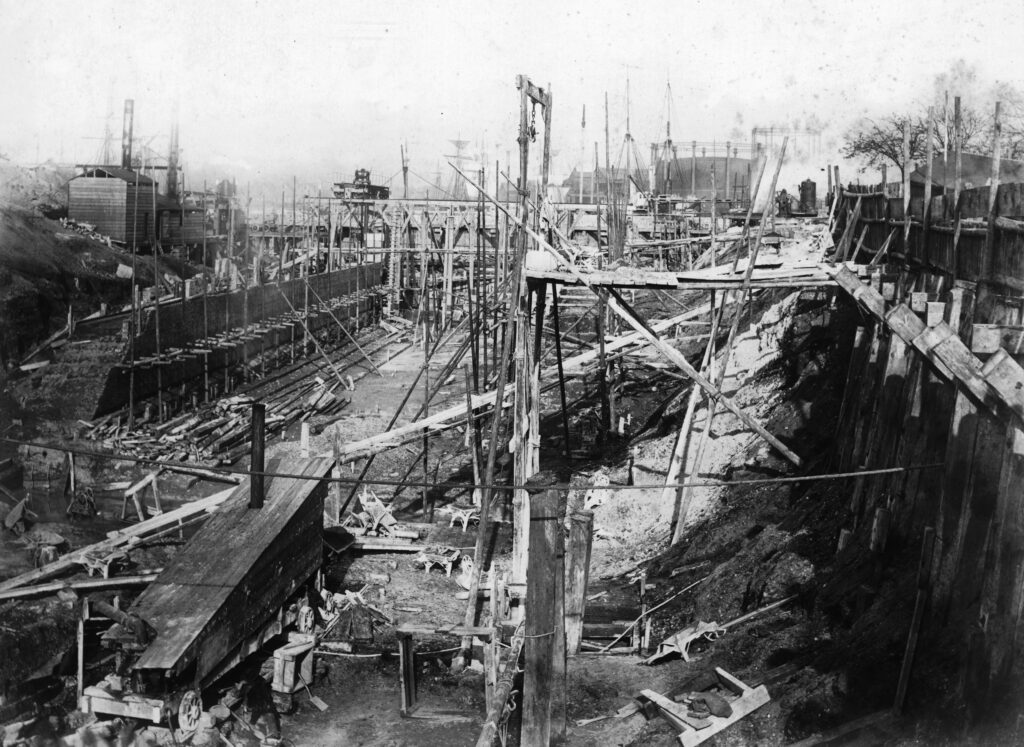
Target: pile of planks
point(218, 434)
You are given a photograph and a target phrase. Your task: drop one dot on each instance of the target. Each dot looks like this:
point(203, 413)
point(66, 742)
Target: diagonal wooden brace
point(621, 308)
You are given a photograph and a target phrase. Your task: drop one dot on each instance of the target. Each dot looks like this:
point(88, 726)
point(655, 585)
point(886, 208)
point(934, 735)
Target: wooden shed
point(118, 202)
point(180, 225)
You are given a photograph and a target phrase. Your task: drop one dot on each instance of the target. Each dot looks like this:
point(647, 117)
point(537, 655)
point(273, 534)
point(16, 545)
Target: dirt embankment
point(47, 267)
point(832, 654)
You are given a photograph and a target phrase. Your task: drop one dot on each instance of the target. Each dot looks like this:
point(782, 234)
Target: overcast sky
point(270, 89)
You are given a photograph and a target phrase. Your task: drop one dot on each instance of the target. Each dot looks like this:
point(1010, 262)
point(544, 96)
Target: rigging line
point(431, 184)
point(452, 485)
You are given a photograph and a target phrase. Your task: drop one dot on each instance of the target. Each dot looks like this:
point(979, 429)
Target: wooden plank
point(923, 577)
point(545, 536)
point(80, 585)
point(1003, 588)
point(619, 307)
point(676, 714)
point(863, 294)
point(1006, 377)
point(935, 312)
point(927, 340)
point(959, 360)
point(118, 539)
point(577, 575)
point(440, 420)
point(904, 322)
point(575, 362)
point(989, 338)
point(886, 432)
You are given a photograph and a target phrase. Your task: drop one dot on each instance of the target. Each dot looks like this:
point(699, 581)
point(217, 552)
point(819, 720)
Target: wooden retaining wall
point(920, 392)
point(272, 325)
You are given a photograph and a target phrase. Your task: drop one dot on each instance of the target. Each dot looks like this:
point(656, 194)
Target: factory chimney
point(126, 134)
point(172, 163)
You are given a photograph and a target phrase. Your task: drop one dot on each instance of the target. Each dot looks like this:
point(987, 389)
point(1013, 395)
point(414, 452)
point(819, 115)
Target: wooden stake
point(541, 625)
point(577, 576)
point(561, 373)
point(472, 436)
point(906, 187)
point(925, 218)
point(923, 574)
point(502, 691)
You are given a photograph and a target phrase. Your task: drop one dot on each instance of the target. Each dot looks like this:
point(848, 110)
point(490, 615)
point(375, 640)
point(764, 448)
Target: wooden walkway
point(766, 275)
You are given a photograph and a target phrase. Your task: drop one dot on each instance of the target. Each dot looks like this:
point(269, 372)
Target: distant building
point(117, 202)
point(127, 207)
point(675, 177)
point(976, 171)
point(672, 176)
point(599, 186)
point(360, 188)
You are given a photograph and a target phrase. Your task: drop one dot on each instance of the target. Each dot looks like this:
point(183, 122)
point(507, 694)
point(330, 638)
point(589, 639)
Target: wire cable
point(452, 485)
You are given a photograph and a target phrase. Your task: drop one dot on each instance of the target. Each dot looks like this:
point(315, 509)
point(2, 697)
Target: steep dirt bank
point(45, 268)
point(833, 653)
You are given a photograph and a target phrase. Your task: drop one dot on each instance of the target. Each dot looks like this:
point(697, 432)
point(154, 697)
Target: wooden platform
point(807, 275)
point(235, 572)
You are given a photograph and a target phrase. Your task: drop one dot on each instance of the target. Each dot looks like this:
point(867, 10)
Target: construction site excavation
point(510, 377)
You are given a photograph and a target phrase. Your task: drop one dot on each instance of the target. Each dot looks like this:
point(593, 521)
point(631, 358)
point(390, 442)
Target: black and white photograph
point(438, 373)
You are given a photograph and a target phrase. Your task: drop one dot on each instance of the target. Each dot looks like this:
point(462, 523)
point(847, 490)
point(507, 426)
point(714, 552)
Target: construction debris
point(704, 714)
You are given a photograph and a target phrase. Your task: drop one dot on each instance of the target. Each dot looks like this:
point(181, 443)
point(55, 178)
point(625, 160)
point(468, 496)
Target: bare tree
point(1012, 120)
point(974, 129)
point(880, 141)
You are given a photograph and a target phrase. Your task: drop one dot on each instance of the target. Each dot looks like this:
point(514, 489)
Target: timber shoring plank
point(888, 424)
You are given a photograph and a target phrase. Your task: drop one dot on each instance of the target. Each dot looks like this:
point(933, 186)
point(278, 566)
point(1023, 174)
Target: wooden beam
point(440, 420)
point(541, 605)
point(923, 577)
point(577, 576)
point(502, 691)
point(80, 585)
point(119, 539)
point(684, 496)
point(622, 309)
point(991, 338)
point(633, 338)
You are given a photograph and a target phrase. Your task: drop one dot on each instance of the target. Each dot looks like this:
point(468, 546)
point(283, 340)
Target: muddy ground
point(826, 657)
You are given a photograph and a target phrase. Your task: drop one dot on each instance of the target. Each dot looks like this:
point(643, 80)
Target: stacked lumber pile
point(219, 433)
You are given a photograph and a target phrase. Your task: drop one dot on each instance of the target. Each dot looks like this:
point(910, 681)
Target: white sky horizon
point(266, 90)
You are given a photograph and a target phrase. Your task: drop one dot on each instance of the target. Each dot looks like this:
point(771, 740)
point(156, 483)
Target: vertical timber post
point(577, 576)
point(258, 434)
point(541, 604)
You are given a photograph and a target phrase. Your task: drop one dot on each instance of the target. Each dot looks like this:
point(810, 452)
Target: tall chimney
point(172, 164)
point(258, 433)
point(126, 134)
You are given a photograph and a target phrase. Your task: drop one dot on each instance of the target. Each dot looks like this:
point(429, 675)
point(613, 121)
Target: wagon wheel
point(307, 619)
point(190, 710)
